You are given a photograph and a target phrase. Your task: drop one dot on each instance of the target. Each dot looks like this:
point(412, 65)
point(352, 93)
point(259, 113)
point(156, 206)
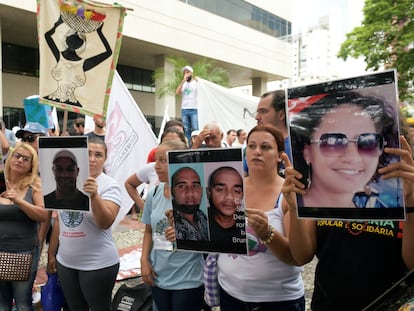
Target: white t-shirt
point(189, 95)
point(82, 244)
point(148, 176)
point(260, 276)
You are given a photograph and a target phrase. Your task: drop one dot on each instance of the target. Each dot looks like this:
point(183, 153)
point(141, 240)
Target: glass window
point(147, 83)
point(126, 74)
point(246, 14)
point(20, 60)
point(137, 79)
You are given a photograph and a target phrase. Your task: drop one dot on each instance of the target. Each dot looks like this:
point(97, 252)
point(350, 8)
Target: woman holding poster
point(81, 249)
point(267, 278)
point(350, 145)
point(175, 277)
point(357, 261)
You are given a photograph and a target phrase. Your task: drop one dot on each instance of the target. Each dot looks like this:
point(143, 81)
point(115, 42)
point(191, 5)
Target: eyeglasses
point(29, 138)
point(334, 144)
point(19, 156)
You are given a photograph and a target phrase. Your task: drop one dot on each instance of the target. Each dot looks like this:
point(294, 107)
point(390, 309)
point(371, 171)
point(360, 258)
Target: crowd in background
point(269, 276)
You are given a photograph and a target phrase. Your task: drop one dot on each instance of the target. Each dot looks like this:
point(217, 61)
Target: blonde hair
point(174, 145)
point(31, 178)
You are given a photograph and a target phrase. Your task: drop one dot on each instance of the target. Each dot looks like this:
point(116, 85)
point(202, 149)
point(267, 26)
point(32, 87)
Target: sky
point(346, 13)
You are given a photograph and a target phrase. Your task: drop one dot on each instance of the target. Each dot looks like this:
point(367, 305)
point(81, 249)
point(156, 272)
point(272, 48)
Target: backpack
point(133, 298)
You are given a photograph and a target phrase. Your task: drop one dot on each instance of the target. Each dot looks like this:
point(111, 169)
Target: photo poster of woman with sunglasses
point(338, 131)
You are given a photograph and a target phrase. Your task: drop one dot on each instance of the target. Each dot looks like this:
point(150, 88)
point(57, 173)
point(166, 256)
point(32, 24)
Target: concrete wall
point(180, 26)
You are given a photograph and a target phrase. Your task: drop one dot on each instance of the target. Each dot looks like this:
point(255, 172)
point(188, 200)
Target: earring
point(309, 179)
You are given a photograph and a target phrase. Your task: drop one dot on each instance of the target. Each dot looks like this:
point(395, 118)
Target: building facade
point(243, 37)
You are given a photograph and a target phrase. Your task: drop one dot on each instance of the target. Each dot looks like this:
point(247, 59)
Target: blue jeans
point(177, 300)
point(190, 121)
point(21, 291)
point(229, 303)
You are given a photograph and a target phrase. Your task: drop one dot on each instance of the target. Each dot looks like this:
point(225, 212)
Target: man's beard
point(186, 208)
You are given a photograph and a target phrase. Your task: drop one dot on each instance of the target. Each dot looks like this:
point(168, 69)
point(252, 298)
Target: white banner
point(230, 109)
point(129, 138)
point(165, 119)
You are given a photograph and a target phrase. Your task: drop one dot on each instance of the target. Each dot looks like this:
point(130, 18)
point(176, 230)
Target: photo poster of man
point(64, 168)
point(338, 131)
point(79, 43)
point(207, 199)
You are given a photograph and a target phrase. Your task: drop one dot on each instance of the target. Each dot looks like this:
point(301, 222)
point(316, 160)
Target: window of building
point(246, 14)
point(20, 60)
point(137, 79)
point(25, 61)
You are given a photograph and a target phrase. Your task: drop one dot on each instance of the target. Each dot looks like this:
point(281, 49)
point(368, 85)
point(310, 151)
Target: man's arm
point(131, 185)
point(200, 138)
point(53, 247)
point(179, 88)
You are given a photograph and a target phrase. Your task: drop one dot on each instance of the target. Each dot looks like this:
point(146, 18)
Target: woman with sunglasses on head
point(30, 134)
point(21, 210)
point(357, 260)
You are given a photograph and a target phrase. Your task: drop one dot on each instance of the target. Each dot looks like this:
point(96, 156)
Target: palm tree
point(203, 68)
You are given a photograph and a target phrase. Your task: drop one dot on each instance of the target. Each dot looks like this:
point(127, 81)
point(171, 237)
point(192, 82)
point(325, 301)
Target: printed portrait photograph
point(338, 133)
point(64, 167)
point(226, 210)
point(207, 199)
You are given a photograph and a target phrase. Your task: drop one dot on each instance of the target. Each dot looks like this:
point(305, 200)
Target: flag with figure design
point(79, 44)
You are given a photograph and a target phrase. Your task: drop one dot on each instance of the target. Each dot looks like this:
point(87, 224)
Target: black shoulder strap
point(155, 190)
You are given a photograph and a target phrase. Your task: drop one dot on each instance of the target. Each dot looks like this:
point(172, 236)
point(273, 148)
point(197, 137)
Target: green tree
point(203, 68)
point(385, 40)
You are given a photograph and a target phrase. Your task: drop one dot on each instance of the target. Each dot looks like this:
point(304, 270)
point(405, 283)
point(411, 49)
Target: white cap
point(195, 133)
point(189, 68)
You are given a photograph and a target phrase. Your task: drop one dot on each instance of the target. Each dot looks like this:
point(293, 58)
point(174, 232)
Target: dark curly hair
point(305, 122)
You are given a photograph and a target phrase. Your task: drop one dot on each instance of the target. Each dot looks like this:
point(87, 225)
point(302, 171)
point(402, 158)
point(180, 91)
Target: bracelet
point(270, 235)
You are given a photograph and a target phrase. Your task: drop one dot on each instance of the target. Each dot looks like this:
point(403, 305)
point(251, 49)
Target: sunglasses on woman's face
point(29, 138)
point(333, 144)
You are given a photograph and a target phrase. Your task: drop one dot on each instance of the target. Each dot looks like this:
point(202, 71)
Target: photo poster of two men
point(207, 199)
point(338, 131)
point(64, 168)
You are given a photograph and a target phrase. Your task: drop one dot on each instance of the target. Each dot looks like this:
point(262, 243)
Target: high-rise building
point(319, 29)
point(315, 48)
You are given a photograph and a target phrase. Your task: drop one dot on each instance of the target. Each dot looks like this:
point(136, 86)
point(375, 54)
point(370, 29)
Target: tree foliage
point(386, 40)
point(203, 68)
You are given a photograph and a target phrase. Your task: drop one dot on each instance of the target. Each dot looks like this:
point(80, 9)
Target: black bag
point(133, 298)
